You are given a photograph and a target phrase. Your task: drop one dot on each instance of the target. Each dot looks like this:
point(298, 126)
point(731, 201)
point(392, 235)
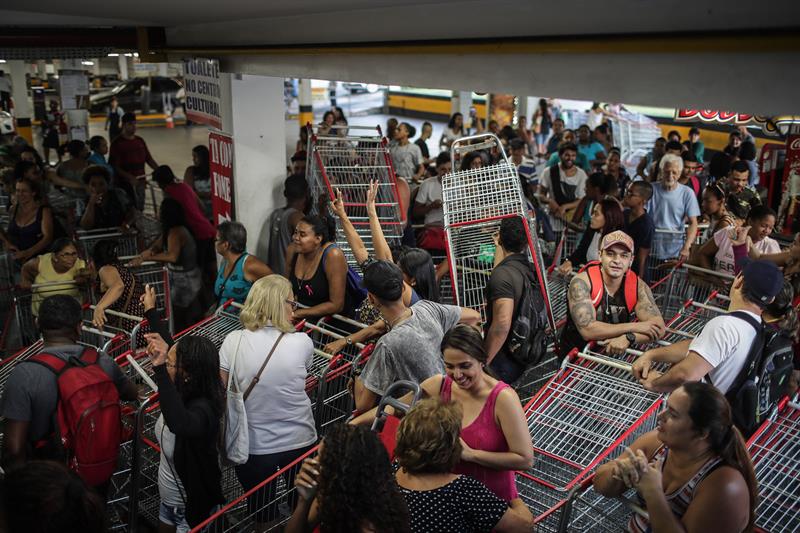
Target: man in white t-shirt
point(428, 203)
point(720, 351)
point(563, 185)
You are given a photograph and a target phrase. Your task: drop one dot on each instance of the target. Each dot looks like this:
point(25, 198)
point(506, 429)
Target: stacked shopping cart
point(339, 159)
point(475, 202)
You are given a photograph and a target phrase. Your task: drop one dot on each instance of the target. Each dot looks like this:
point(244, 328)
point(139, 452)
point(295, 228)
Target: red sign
point(712, 115)
point(220, 149)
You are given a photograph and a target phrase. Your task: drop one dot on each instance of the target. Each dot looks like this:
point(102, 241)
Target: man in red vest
point(608, 302)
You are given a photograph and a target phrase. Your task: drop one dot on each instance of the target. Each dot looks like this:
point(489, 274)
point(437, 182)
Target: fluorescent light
point(113, 55)
point(136, 54)
point(87, 63)
point(2, 60)
point(128, 55)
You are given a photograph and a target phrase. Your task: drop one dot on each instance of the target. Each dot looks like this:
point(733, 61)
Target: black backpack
point(527, 341)
point(762, 382)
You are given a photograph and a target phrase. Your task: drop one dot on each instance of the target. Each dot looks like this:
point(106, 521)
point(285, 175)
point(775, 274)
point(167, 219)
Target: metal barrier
point(775, 451)
point(265, 507)
point(588, 412)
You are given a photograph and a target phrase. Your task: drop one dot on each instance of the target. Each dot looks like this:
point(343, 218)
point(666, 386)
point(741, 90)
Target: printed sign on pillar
point(220, 149)
point(201, 85)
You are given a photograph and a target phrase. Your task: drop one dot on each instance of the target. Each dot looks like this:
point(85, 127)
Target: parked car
point(355, 87)
point(132, 96)
point(6, 123)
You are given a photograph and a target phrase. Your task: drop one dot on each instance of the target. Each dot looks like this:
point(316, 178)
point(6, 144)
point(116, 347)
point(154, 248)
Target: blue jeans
point(174, 516)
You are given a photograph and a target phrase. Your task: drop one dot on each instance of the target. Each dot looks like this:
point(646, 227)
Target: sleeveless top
point(314, 290)
point(187, 258)
point(235, 286)
point(279, 239)
point(611, 309)
point(24, 237)
point(485, 434)
point(48, 274)
point(679, 500)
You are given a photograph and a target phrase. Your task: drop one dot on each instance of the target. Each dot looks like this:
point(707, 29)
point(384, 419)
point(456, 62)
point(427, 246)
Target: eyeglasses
point(294, 304)
point(67, 254)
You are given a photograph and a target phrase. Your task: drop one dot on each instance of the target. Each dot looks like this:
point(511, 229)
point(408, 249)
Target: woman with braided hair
point(349, 487)
point(693, 473)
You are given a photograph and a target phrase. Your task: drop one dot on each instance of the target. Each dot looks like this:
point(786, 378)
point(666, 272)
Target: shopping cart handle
point(603, 361)
point(120, 315)
point(390, 399)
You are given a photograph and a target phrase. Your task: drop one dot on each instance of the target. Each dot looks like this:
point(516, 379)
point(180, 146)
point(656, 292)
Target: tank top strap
point(445, 392)
point(491, 401)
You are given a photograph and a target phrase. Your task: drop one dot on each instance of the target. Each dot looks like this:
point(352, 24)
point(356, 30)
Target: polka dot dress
point(464, 505)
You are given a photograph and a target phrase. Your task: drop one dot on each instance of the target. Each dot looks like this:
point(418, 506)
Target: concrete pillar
point(41, 67)
point(523, 110)
point(162, 69)
point(304, 100)
point(19, 92)
point(461, 101)
point(96, 66)
point(123, 67)
point(252, 110)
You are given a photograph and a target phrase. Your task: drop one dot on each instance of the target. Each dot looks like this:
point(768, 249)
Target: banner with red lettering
point(220, 151)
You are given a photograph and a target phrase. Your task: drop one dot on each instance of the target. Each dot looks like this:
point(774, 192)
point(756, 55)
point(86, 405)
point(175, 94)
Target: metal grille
point(775, 450)
point(588, 412)
point(34, 54)
point(475, 202)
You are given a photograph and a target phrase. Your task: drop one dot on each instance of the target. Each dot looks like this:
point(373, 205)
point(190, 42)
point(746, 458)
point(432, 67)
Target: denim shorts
point(174, 516)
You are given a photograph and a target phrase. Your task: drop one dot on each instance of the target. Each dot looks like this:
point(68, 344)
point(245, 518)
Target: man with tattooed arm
point(608, 302)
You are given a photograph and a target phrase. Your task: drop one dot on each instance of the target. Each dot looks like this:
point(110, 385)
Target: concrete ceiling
point(263, 22)
point(713, 54)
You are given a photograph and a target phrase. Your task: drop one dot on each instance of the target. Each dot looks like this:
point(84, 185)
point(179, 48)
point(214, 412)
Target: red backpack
point(631, 285)
point(88, 424)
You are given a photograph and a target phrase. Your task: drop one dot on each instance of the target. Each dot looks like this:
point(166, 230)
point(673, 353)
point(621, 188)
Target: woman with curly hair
point(428, 449)
point(349, 487)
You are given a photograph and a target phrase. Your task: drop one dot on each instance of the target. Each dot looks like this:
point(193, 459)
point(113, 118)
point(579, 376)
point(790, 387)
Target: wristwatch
point(631, 338)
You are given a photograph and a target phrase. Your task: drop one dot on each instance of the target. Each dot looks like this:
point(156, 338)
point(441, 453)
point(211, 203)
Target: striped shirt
point(679, 500)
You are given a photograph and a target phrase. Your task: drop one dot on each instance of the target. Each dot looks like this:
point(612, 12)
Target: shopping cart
point(268, 509)
point(476, 201)
point(689, 282)
point(24, 329)
point(127, 241)
point(588, 412)
point(157, 276)
point(570, 236)
point(341, 160)
point(775, 451)
point(558, 285)
point(144, 502)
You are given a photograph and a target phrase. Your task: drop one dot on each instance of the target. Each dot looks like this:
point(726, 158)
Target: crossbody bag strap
point(263, 366)
point(225, 281)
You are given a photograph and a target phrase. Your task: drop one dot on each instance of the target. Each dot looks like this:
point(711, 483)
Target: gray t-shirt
point(31, 393)
point(406, 159)
point(170, 488)
point(411, 350)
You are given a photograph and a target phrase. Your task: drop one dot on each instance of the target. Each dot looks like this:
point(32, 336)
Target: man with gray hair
point(671, 206)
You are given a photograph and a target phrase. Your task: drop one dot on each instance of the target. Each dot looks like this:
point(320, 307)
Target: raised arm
point(382, 250)
point(353, 239)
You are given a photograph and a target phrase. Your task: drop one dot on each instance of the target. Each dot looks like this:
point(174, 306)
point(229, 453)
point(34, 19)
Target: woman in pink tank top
point(494, 432)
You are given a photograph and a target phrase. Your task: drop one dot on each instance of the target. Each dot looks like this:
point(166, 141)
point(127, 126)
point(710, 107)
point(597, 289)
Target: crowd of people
point(457, 450)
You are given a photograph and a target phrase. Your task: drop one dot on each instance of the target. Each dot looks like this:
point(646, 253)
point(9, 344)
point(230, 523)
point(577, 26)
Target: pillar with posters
point(220, 149)
point(789, 221)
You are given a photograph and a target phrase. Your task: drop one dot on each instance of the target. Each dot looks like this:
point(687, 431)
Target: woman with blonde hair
point(271, 360)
